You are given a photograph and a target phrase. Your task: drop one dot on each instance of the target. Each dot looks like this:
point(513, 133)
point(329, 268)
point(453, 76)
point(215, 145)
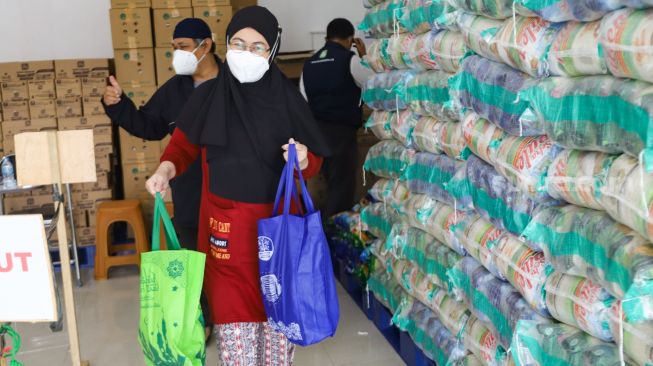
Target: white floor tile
point(107, 315)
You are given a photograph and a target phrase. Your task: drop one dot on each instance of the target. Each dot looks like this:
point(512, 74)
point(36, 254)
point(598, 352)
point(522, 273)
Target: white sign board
point(26, 286)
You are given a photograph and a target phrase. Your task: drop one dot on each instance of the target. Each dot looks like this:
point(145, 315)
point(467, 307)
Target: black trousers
point(188, 239)
point(340, 168)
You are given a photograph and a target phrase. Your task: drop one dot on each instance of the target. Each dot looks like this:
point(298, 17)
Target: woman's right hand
point(159, 182)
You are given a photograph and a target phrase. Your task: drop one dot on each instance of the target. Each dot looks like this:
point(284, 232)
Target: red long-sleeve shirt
point(228, 235)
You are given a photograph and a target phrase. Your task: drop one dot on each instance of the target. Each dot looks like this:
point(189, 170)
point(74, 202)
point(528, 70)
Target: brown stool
point(109, 212)
point(162, 234)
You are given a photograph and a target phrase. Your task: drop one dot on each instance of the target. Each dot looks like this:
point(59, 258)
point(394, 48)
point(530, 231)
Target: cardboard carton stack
point(25, 86)
point(217, 14)
point(85, 81)
point(133, 43)
point(142, 33)
point(166, 14)
point(64, 95)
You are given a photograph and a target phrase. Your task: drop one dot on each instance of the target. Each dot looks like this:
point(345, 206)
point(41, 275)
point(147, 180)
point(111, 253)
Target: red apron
point(228, 234)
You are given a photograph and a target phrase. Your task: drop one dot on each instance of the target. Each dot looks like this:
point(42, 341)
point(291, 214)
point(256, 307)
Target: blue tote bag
point(297, 282)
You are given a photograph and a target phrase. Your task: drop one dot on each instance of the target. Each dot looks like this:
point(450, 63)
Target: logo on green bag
point(175, 269)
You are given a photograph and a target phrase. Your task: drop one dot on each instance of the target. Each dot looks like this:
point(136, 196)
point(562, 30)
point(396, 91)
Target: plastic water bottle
point(8, 177)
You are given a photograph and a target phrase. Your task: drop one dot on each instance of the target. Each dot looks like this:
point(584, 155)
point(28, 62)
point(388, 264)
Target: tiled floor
point(107, 314)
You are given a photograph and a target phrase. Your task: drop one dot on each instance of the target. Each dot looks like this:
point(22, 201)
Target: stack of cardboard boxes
point(142, 38)
point(64, 95)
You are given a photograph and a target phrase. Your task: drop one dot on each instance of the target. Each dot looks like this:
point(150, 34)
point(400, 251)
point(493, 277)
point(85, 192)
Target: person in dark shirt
point(331, 82)
point(194, 62)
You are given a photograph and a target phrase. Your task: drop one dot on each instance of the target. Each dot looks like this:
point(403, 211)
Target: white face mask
point(246, 66)
point(185, 62)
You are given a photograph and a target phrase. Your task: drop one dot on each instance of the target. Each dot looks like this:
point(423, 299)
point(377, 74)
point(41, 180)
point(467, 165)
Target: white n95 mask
point(185, 62)
point(246, 66)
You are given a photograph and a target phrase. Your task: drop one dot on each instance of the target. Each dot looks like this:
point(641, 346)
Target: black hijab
point(243, 126)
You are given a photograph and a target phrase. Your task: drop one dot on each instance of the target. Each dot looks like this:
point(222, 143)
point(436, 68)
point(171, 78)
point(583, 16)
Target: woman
point(240, 123)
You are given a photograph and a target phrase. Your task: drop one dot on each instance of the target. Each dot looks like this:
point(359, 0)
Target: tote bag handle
point(287, 185)
point(161, 214)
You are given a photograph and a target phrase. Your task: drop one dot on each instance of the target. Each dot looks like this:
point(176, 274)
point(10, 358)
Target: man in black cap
point(194, 62)
point(331, 82)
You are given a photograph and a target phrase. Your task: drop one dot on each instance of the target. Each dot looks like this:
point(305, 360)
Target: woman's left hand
point(302, 153)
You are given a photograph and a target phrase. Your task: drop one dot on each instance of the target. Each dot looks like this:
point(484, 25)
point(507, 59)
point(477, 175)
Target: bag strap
point(10, 351)
point(161, 214)
point(287, 186)
point(306, 197)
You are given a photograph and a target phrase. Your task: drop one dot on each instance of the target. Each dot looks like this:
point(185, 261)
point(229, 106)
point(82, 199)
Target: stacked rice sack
point(528, 176)
point(545, 82)
point(501, 188)
point(597, 106)
point(422, 149)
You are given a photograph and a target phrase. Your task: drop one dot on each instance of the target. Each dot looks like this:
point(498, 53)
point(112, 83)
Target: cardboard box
point(217, 17)
point(103, 183)
point(80, 219)
point(15, 111)
point(130, 4)
point(131, 28)
point(42, 108)
point(41, 89)
point(139, 95)
point(69, 107)
point(42, 191)
point(165, 21)
point(104, 158)
point(82, 68)
point(164, 143)
point(103, 165)
point(14, 91)
point(93, 87)
point(134, 177)
point(82, 123)
point(103, 134)
point(66, 88)
point(11, 128)
point(101, 125)
point(164, 69)
point(171, 4)
point(292, 64)
point(85, 235)
point(239, 4)
point(88, 199)
point(33, 70)
point(103, 151)
point(93, 106)
point(210, 2)
point(135, 67)
point(134, 150)
point(14, 205)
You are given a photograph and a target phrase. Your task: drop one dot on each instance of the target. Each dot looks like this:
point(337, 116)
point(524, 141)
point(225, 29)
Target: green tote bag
point(171, 331)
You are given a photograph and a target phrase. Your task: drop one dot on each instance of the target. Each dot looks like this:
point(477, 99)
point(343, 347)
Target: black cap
point(194, 28)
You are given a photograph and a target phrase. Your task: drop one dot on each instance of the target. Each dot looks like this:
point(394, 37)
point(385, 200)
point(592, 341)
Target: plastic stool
point(162, 234)
point(109, 212)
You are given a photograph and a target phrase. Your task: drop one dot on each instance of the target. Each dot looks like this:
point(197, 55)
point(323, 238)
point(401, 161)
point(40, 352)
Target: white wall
point(54, 29)
point(63, 29)
point(301, 17)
